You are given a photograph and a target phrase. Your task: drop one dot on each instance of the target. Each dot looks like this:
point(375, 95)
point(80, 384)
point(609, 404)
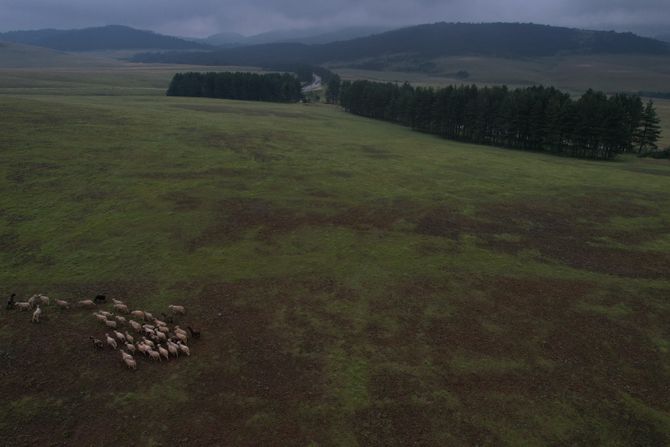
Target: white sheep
point(62, 304)
point(137, 314)
point(106, 314)
point(184, 349)
point(130, 362)
point(163, 329)
point(161, 336)
point(177, 309)
point(159, 322)
point(119, 336)
point(86, 303)
point(144, 349)
point(21, 305)
point(121, 308)
point(154, 355)
point(110, 341)
point(100, 318)
point(135, 325)
point(182, 337)
point(120, 319)
point(173, 349)
point(110, 324)
point(36, 314)
point(124, 354)
point(148, 316)
point(148, 342)
point(32, 300)
point(162, 351)
point(117, 301)
point(130, 347)
point(129, 337)
point(44, 299)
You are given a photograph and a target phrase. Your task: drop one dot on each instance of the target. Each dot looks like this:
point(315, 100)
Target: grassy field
point(356, 283)
point(573, 73)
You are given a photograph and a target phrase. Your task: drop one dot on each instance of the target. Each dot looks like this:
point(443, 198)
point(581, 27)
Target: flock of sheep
point(155, 338)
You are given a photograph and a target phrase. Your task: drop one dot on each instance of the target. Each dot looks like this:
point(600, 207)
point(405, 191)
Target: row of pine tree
point(595, 126)
point(273, 87)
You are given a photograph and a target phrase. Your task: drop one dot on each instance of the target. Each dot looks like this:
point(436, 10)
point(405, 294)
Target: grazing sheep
point(110, 341)
point(11, 302)
point(44, 299)
point(173, 349)
point(62, 304)
point(154, 355)
point(144, 349)
point(148, 342)
point(163, 352)
point(163, 329)
point(100, 318)
point(110, 324)
point(161, 336)
point(129, 361)
point(179, 310)
point(178, 330)
point(97, 344)
point(194, 333)
point(135, 325)
point(137, 314)
point(20, 305)
point(120, 319)
point(86, 303)
point(148, 316)
point(159, 322)
point(184, 349)
point(182, 337)
point(117, 301)
point(148, 326)
point(32, 301)
point(129, 337)
point(36, 314)
point(106, 314)
point(124, 354)
point(100, 298)
point(119, 336)
point(130, 347)
point(121, 308)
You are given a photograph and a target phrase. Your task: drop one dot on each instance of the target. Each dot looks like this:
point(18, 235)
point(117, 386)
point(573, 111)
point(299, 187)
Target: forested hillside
point(112, 37)
point(430, 41)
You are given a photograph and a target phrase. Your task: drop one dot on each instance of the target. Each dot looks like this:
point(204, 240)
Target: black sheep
point(10, 302)
point(100, 298)
point(194, 333)
point(98, 344)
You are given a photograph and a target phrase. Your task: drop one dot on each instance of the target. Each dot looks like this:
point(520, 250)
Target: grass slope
point(357, 283)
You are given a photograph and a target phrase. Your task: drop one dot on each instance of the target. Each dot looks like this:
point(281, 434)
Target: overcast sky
point(205, 17)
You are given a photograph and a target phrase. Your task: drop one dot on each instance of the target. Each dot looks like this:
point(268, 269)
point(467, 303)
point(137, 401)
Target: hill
point(664, 37)
point(112, 37)
point(431, 41)
point(13, 55)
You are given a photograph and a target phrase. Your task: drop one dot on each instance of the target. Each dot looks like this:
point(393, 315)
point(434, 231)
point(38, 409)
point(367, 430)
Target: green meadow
point(356, 283)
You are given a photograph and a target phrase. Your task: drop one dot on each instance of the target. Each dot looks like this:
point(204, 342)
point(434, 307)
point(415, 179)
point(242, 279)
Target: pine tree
point(649, 131)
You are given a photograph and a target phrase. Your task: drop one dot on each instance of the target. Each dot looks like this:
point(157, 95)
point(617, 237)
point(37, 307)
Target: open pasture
point(356, 283)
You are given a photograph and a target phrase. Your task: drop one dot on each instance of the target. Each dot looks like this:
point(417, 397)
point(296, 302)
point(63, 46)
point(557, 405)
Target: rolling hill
point(14, 55)
point(510, 40)
point(112, 37)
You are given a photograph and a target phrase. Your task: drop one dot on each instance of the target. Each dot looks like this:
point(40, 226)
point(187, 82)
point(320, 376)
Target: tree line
point(595, 126)
point(272, 87)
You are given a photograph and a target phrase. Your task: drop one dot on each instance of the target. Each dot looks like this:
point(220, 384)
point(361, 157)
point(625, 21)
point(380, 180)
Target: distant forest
point(272, 87)
point(537, 118)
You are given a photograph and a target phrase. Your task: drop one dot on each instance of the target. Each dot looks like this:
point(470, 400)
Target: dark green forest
point(595, 126)
point(273, 87)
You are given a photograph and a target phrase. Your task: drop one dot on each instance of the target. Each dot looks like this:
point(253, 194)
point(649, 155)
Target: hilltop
point(112, 37)
point(510, 40)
